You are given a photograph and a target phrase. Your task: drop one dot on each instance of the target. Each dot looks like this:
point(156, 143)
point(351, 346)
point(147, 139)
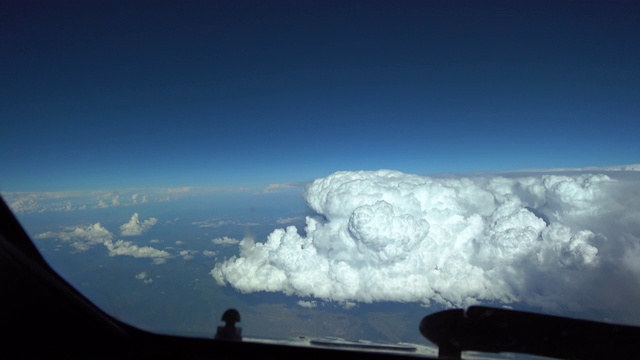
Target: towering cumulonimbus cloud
point(550, 240)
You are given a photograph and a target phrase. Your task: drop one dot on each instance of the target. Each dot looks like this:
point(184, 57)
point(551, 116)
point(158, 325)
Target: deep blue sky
point(236, 93)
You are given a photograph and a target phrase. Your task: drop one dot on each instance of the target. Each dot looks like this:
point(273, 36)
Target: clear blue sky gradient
point(101, 95)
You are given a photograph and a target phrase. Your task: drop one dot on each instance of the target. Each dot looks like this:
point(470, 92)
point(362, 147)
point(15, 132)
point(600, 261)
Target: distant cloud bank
point(561, 242)
point(28, 202)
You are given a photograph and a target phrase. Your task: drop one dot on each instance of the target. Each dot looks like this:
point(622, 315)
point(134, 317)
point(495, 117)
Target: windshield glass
point(330, 169)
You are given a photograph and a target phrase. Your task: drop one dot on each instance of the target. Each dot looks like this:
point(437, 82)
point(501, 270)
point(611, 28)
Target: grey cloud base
point(554, 241)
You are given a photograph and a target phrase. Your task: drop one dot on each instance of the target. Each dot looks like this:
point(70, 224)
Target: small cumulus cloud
point(107, 199)
point(348, 304)
point(225, 241)
point(46, 235)
point(134, 227)
point(136, 199)
point(172, 221)
point(127, 248)
point(80, 237)
point(188, 254)
point(144, 278)
point(546, 240)
point(24, 204)
point(307, 304)
point(209, 253)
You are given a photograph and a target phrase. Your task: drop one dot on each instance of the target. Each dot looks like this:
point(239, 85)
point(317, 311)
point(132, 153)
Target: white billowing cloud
point(187, 254)
point(134, 227)
point(135, 200)
point(80, 237)
point(84, 237)
point(554, 241)
point(46, 235)
point(127, 248)
point(24, 204)
point(225, 241)
point(209, 253)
